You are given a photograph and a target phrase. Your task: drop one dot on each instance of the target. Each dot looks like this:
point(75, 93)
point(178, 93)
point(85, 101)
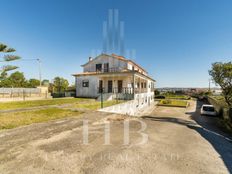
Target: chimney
point(90, 59)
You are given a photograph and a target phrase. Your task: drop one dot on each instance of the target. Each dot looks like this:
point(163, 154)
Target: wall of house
point(149, 84)
point(134, 67)
point(126, 81)
point(131, 107)
point(113, 62)
point(91, 91)
point(142, 99)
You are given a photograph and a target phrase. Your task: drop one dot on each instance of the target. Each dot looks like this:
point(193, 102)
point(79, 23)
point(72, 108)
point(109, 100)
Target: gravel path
point(176, 144)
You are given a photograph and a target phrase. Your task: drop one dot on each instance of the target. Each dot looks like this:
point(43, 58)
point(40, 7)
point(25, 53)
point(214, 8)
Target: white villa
point(115, 77)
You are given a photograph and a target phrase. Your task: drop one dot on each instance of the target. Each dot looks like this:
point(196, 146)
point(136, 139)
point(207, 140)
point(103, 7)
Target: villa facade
point(115, 77)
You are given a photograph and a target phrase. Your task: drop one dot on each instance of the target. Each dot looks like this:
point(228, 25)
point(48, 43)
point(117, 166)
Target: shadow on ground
point(207, 128)
point(169, 119)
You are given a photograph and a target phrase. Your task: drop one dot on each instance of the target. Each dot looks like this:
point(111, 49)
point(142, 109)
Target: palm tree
point(7, 58)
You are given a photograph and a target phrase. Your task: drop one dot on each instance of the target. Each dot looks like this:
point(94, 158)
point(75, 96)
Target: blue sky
point(175, 40)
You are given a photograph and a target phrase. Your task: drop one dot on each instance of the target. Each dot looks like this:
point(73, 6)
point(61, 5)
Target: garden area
point(171, 95)
point(173, 103)
point(15, 114)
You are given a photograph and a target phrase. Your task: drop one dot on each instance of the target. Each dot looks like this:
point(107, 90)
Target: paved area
point(179, 141)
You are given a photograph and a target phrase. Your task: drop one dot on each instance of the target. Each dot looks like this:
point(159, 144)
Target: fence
point(11, 94)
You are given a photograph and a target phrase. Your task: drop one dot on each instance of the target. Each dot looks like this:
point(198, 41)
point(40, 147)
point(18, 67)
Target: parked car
point(208, 110)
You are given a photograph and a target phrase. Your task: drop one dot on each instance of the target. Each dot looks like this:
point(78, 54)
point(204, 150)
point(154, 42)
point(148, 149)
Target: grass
point(96, 105)
point(172, 96)
point(220, 100)
point(174, 103)
point(27, 104)
point(178, 97)
point(16, 119)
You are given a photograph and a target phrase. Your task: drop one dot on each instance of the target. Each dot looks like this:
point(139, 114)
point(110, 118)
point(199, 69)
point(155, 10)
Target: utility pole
point(40, 76)
point(209, 84)
point(39, 65)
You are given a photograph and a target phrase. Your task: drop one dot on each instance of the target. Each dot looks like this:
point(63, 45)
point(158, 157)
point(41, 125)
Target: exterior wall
point(145, 94)
point(126, 81)
point(132, 66)
point(130, 108)
point(126, 77)
point(91, 91)
point(144, 99)
point(113, 63)
point(141, 89)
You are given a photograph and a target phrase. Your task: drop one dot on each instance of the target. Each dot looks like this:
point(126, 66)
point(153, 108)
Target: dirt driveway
point(176, 144)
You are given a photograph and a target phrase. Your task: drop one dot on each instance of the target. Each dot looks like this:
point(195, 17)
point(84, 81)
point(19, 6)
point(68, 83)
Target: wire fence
point(22, 93)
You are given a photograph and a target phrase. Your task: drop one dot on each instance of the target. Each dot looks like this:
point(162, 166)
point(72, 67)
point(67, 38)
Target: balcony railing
point(105, 70)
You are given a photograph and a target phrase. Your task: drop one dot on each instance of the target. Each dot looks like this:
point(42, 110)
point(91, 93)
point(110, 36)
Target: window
point(145, 85)
point(85, 83)
point(106, 67)
point(98, 67)
point(208, 108)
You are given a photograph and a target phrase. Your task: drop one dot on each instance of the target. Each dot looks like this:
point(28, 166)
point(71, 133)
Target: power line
point(39, 63)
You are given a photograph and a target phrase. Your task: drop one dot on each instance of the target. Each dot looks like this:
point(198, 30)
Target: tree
point(157, 92)
point(222, 75)
point(6, 83)
point(45, 82)
point(7, 58)
point(33, 83)
point(17, 79)
point(60, 84)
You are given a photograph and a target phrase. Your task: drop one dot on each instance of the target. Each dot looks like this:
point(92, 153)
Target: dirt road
point(176, 144)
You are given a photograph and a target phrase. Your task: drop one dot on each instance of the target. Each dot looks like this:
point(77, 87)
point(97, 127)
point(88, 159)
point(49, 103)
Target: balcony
point(107, 70)
point(123, 90)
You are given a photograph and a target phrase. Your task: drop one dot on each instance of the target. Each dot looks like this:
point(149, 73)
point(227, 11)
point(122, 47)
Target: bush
point(58, 95)
point(160, 97)
point(174, 103)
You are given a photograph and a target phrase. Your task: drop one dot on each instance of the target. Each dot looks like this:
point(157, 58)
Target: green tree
point(33, 83)
point(222, 75)
point(7, 58)
point(45, 82)
point(157, 92)
point(17, 80)
point(6, 83)
point(60, 84)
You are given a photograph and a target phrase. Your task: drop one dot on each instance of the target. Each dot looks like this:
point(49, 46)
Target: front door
point(110, 86)
point(119, 86)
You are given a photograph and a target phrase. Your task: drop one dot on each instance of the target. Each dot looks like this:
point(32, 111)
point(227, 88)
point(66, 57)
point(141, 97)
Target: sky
point(176, 41)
